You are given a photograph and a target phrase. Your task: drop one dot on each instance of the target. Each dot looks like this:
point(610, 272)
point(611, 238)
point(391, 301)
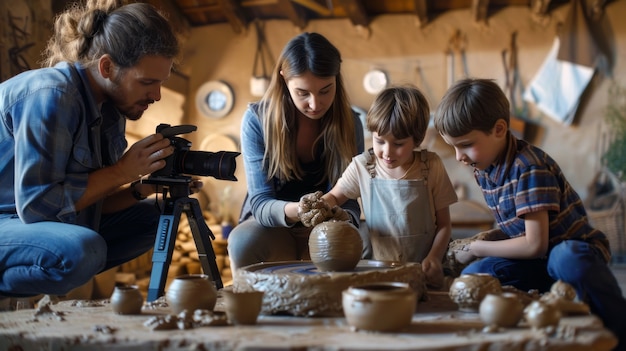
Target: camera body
point(184, 161)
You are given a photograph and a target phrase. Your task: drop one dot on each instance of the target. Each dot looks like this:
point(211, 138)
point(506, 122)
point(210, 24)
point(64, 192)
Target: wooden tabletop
point(437, 325)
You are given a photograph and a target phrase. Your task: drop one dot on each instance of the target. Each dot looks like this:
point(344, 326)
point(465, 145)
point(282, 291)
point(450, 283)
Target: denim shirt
point(51, 136)
point(266, 200)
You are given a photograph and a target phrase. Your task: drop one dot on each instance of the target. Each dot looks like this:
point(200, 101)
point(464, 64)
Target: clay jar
point(335, 246)
point(126, 299)
point(539, 314)
point(501, 310)
point(381, 307)
point(242, 307)
point(468, 290)
point(191, 292)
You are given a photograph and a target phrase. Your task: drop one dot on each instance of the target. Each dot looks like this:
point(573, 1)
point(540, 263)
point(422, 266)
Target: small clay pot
point(563, 290)
point(539, 314)
point(501, 310)
point(126, 299)
point(242, 307)
point(191, 292)
point(381, 307)
point(468, 290)
point(335, 246)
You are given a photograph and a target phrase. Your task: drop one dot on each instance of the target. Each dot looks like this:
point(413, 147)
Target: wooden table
point(436, 326)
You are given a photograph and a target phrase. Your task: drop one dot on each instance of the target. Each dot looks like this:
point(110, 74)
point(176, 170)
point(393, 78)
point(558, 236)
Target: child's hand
point(434, 272)
point(339, 214)
point(463, 254)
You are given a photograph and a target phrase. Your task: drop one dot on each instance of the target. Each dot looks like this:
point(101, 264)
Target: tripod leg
point(163, 249)
point(201, 234)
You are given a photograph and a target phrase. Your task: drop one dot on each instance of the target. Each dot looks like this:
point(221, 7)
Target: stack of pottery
point(468, 290)
point(335, 246)
point(381, 307)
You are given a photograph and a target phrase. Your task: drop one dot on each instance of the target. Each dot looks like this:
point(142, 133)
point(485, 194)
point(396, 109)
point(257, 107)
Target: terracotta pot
point(539, 314)
point(379, 306)
point(501, 310)
point(468, 290)
point(191, 292)
point(335, 246)
point(126, 300)
point(242, 307)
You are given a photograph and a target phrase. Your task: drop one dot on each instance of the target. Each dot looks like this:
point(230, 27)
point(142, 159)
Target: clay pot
point(563, 290)
point(379, 307)
point(335, 246)
point(126, 299)
point(191, 292)
point(468, 290)
point(501, 310)
point(242, 307)
point(539, 314)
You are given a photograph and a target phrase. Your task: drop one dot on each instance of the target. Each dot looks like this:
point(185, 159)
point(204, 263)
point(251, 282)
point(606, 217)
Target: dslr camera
point(219, 165)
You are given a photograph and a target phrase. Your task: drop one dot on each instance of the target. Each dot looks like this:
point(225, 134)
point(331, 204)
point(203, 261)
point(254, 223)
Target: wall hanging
point(260, 79)
point(215, 99)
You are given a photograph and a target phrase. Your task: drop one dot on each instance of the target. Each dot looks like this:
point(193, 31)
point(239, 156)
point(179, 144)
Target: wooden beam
point(480, 10)
point(176, 17)
point(356, 12)
point(315, 7)
point(232, 11)
point(296, 16)
point(421, 11)
point(539, 8)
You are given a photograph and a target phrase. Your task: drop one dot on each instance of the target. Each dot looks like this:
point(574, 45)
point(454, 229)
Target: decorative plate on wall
point(375, 81)
point(215, 99)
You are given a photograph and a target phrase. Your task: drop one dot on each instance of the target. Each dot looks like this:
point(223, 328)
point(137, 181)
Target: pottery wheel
point(298, 288)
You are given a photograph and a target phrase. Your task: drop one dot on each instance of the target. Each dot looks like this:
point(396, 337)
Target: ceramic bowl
point(382, 307)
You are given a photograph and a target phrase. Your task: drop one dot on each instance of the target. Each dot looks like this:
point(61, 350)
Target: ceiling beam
point(421, 11)
point(315, 7)
point(232, 11)
point(539, 7)
point(295, 15)
point(356, 12)
point(480, 11)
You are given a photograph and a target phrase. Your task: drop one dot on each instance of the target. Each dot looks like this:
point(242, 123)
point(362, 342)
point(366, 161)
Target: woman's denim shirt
point(51, 136)
point(264, 201)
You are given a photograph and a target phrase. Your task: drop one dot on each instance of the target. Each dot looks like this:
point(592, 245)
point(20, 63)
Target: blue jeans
point(53, 258)
point(574, 262)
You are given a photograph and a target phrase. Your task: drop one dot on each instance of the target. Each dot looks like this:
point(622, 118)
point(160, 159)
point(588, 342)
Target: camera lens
point(220, 165)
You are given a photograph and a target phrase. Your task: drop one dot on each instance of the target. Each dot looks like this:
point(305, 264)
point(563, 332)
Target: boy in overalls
point(405, 192)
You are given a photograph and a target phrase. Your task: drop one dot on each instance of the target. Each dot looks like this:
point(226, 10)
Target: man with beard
point(70, 205)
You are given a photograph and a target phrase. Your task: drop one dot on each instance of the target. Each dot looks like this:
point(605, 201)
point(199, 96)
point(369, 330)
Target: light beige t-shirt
point(355, 181)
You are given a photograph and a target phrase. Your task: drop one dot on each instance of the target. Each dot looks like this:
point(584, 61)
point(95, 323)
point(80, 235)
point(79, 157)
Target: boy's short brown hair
point(401, 111)
point(471, 104)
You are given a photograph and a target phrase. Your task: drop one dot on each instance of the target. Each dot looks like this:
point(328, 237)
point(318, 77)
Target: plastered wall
point(410, 54)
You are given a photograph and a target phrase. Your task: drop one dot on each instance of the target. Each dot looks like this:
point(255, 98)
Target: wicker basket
point(605, 209)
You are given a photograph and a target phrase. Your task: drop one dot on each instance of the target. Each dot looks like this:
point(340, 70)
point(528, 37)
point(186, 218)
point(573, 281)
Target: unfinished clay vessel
point(382, 307)
point(191, 292)
point(501, 310)
point(126, 299)
point(335, 246)
point(539, 314)
point(242, 307)
point(468, 290)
